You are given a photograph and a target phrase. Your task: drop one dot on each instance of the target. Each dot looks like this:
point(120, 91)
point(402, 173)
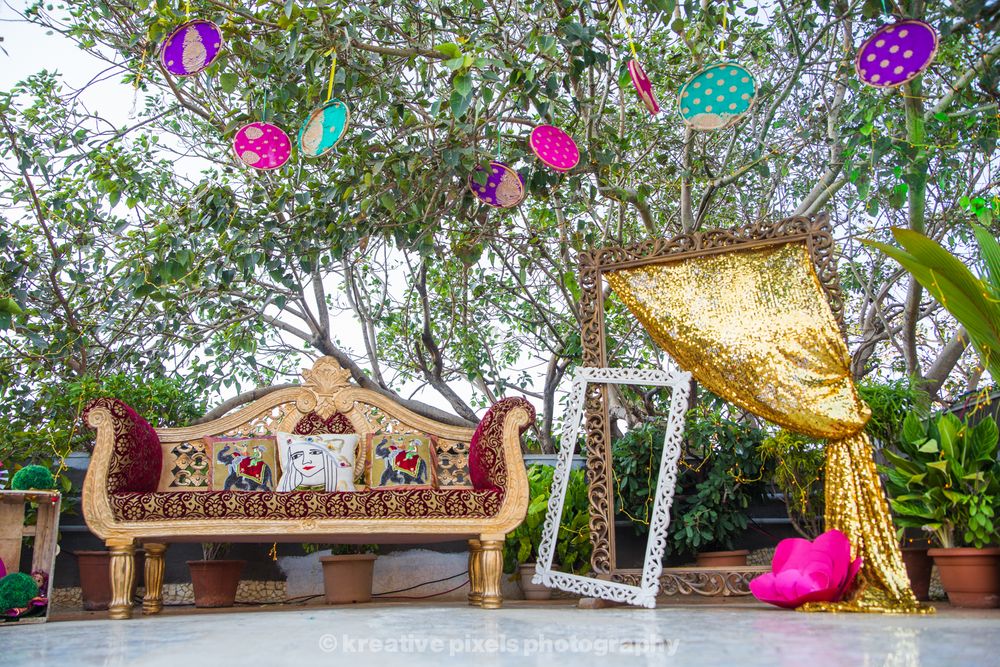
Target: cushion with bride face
point(316, 462)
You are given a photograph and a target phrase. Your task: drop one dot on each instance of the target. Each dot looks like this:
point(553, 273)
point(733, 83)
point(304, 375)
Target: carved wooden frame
point(817, 234)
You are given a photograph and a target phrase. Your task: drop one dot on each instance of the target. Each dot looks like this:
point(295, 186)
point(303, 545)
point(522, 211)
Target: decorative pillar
point(491, 570)
point(475, 576)
point(152, 602)
point(122, 577)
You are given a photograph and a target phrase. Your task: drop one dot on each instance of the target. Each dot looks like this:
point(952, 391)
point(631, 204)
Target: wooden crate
point(13, 506)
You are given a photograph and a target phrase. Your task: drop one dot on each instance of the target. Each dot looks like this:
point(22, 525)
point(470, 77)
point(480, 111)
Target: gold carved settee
point(482, 492)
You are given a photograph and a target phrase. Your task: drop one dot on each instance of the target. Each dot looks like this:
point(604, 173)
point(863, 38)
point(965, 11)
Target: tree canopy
point(150, 249)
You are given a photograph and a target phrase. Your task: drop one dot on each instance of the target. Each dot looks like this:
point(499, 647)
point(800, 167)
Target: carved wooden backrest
point(328, 389)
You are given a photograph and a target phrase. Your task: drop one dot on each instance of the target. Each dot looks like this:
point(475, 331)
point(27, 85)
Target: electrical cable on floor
point(422, 597)
point(426, 583)
point(303, 599)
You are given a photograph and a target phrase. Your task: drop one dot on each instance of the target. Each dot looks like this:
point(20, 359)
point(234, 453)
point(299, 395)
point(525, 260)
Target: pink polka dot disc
point(554, 147)
point(262, 145)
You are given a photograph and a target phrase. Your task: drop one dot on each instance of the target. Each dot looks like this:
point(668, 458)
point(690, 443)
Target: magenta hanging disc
point(191, 47)
point(643, 86)
point(504, 187)
point(262, 145)
point(554, 147)
point(896, 53)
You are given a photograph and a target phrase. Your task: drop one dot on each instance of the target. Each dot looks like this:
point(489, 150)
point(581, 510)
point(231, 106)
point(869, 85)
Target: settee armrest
point(500, 429)
point(128, 444)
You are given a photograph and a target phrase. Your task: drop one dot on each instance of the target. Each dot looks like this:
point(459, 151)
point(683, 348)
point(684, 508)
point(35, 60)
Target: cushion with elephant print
point(401, 459)
point(242, 463)
point(317, 462)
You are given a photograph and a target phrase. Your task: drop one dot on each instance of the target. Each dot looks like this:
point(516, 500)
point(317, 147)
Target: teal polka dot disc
point(717, 96)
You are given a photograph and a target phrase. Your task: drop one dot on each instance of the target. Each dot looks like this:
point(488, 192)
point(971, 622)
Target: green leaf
point(449, 49)
point(227, 81)
point(463, 84)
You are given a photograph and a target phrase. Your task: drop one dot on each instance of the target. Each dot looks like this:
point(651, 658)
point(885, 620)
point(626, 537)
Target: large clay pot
point(95, 577)
point(215, 581)
point(918, 567)
point(532, 591)
point(348, 578)
point(970, 577)
point(722, 558)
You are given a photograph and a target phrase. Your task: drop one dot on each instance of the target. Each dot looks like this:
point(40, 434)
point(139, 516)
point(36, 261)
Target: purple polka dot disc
point(896, 53)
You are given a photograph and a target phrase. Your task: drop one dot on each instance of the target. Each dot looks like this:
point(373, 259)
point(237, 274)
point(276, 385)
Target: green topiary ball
point(17, 590)
point(32, 477)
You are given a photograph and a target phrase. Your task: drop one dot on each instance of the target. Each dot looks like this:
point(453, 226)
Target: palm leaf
point(990, 250)
point(966, 297)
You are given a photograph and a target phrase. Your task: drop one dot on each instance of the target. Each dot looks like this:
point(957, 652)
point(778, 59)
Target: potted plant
point(573, 542)
point(347, 572)
point(214, 578)
point(721, 474)
point(95, 577)
point(943, 479)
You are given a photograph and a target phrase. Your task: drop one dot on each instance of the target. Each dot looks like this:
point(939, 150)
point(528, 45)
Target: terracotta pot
point(722, 558)
point(215, 581)
point(348, 578)
point(532, 591)
point(970, 577)
point(918, 567)
point(95, 577)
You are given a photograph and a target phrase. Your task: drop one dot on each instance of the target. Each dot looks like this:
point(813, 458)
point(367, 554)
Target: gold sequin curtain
point(754, 327)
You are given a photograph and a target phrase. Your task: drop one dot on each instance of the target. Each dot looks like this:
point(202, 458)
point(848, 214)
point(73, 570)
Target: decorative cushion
point(312, 424)
point(135, 462)
point(316, 462)
point(243, 463)
point(487, 466)
point(401, 459)
point(186, 466)
point(398, 503)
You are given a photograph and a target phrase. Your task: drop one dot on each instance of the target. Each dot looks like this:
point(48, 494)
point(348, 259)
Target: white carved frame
point(643, 595)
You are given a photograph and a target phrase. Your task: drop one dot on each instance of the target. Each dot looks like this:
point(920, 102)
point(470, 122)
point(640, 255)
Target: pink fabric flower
point(804, 571)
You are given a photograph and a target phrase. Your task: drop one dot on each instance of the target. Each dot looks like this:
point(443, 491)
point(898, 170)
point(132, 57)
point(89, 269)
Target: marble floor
point(521, 633)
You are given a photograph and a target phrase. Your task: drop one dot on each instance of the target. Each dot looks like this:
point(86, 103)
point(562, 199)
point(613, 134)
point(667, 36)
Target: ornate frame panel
point(815, 231)
point(643, 593)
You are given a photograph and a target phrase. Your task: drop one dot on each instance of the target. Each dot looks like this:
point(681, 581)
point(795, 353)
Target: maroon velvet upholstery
point(135, 462)
point(370, 504)
point(487, 467)
point(313, 424)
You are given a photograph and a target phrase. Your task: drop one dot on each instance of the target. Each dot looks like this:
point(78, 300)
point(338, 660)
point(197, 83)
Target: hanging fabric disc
point(504, 187)
point(262, 145)
point(896, 53)
point(717, 96)
point(323, 128)
point(554, 148)
point(191, 47)
point(643, 86)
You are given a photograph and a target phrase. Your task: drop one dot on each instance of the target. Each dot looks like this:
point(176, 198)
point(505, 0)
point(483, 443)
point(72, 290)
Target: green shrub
point(573, 541)
point(944, 478)
point(720, 474)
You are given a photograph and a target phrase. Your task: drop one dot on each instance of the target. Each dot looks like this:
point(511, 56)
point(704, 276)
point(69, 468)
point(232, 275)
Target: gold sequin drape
point(754, 327)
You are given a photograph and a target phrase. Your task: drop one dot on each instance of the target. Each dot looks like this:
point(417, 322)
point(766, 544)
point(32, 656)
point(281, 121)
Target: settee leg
point(491, 571)
point(152, 602)
point(122, 576)
point(475, 576)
